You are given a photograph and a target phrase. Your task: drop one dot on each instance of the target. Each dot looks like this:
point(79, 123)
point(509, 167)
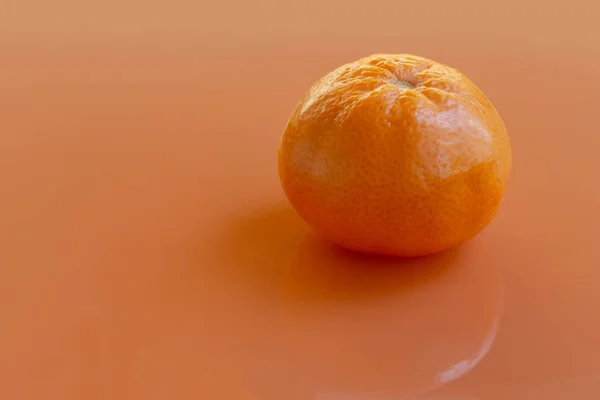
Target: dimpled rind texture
point(395, 155)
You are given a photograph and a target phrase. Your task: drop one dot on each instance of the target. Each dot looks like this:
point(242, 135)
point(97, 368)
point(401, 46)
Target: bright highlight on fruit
point(395, 155)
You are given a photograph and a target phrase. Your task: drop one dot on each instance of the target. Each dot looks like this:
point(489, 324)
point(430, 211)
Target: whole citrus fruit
point(396, 155)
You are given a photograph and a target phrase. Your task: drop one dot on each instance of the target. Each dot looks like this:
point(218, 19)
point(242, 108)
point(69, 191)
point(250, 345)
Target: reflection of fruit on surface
point(361, 324)
point(395, 154)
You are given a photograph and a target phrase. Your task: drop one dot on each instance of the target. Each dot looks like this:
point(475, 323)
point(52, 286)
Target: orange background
point(147, 250)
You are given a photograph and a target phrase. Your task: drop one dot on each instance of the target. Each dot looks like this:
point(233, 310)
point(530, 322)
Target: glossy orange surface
point(147, 250)
point(395, 154)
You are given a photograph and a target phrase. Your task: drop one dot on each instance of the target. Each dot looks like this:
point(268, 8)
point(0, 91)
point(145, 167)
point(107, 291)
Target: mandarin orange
point(396, 155)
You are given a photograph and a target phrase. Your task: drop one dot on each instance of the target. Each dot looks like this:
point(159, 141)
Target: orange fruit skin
point(395, 155)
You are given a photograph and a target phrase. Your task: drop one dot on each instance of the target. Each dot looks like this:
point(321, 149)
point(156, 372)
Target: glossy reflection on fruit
point(397, 155)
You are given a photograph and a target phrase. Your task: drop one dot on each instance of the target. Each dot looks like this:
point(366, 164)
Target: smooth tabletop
point(147, 250)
